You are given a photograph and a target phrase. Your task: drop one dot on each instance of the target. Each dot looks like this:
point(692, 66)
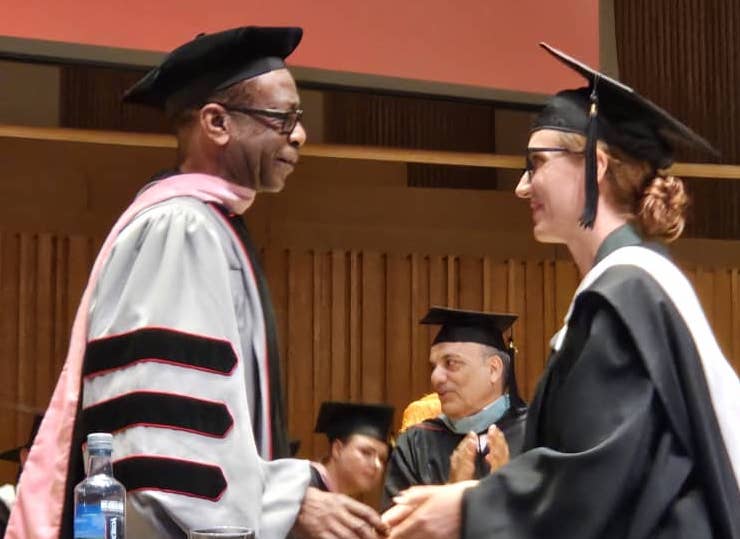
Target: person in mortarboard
point(633, 428)
point(174, 346)
point(483, 416)
point(358, 446)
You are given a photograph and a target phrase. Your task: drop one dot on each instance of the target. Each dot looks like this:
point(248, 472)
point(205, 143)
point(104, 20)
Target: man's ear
point(336, 448)
point(214, 123)
point(497, 368)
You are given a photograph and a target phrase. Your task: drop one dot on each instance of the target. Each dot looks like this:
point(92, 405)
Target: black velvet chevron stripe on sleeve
point(171, 475)
point(160, 410)
point(159, 344)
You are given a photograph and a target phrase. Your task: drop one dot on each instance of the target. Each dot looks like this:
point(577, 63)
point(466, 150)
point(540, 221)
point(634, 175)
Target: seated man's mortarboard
point(480, 327)
point(610, 111)
point(342, 419)
point(212, 62)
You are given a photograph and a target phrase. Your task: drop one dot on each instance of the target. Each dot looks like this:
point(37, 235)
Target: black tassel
point(592, 186)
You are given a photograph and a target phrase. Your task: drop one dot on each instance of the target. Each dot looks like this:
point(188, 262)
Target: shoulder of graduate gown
point(612, 435)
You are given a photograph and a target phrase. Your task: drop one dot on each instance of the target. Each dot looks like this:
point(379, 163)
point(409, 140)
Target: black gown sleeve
point(600, 434)
point(401, 472)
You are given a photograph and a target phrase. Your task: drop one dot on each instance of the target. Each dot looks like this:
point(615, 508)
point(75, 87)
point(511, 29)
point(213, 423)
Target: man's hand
point(327, 515)
point(498, 449)
point(462, 460)
point(427, 512)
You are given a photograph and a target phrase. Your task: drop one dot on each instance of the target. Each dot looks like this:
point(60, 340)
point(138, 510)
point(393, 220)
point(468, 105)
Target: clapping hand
point(498, 449)
point(462, 460)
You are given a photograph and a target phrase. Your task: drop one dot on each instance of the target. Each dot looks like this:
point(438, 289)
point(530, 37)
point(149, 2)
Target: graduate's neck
point(585, 242)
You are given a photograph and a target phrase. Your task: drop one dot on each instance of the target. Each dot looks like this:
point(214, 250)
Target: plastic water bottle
point(100, 500)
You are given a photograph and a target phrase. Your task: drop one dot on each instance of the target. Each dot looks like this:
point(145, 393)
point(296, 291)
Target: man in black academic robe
point(474, 376)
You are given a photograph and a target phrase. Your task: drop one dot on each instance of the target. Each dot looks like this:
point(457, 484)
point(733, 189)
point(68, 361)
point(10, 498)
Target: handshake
point(429, 511)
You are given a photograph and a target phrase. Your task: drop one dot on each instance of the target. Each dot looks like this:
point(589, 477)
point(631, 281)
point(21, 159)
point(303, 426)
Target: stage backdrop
point(481, 43)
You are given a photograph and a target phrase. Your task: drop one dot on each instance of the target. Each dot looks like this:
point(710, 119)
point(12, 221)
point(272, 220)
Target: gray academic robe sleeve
point(607, 466)
point(173, 277)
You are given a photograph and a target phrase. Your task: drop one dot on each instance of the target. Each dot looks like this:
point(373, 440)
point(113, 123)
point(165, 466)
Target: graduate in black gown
point(633, 429)
point(358, 447)
point(474, 376)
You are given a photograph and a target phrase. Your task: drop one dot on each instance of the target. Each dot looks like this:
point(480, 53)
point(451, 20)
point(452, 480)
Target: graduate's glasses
point(530, 167)
point(289, 118)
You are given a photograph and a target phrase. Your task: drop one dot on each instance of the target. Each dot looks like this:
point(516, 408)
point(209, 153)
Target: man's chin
point(451, 411)
point(275, 185)
point(270, 189)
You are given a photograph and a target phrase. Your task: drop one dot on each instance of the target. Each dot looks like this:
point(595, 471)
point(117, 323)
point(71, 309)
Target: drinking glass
point(223, 532)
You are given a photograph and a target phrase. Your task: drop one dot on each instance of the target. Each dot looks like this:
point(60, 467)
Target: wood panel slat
point(300, 335)
point(340, 387)
point(321, 346)
point(44, 321)
point(549, 313)
point(470, 284)
point(27, 363)
point(499, 287)
point(534, 314)
point(355, 321)
point(9, 251)
point(398, 325)
point(373, 327)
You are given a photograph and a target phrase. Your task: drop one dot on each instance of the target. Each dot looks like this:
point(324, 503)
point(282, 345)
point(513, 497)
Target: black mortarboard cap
point(14, 455)
point(212, 62)
point(613, 112)
point(459, 325)
point(341, 419)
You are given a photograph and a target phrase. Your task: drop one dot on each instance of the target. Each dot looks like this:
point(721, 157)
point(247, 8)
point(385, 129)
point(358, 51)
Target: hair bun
point(663, 207)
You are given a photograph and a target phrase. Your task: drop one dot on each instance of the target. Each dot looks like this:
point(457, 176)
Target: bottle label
point(111, 507)
point(89, 522)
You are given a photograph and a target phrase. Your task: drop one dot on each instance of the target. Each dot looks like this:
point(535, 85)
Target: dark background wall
point(683, 54)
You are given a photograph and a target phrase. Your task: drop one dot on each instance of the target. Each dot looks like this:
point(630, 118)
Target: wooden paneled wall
point(682, 54)
point(348, 320)
point(90, 98)
point(41, 281)
point(416, 122)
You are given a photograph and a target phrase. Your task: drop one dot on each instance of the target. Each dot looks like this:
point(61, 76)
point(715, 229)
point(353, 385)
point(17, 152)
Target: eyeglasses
point(289, 118)
point(530, 167)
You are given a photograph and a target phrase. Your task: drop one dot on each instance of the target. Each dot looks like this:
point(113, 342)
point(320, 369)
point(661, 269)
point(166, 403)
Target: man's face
point(360, 461)
point(259, 154)
point(464, 377)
